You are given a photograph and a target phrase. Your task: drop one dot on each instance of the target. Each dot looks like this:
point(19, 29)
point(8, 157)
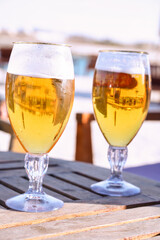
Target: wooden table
point(85, 215)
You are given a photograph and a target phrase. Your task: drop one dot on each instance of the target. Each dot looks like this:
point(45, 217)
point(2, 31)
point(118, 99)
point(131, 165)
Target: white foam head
point(121, 61)
point(41, 60)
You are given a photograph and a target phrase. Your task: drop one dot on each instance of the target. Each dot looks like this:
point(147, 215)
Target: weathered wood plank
point(126, 224)
point(66, 192)
point(20, 185)
point(78, 180)
point(6, 193)
point(12, 156)
point(2, 207)
point(12, 165)
point(21, 171)
point(9, 218)
point(127, 202)
point(85, 183)
point(9, 156)
point(10, 173)
point(148, 187)
point(86, 169)
point(131, 231)
point(67, 189)
point(99, 173)
point(18, 164)
point(94, 173)
point(74, 178)
point(154, 238)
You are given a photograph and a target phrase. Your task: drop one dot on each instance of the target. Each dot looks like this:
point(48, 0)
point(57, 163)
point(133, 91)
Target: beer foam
point(134, 63)
point(41, 60)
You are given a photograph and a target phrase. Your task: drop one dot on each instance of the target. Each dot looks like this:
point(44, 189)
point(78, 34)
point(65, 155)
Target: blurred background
point(88, 26)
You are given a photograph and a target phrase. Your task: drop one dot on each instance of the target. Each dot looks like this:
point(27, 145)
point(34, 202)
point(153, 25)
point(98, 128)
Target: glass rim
point(42, 43)
point(124, 51)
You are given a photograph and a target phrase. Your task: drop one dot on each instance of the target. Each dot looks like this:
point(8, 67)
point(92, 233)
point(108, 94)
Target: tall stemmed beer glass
point(121, 95)
point(39, 97)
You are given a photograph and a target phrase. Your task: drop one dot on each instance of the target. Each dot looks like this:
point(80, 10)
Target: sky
point(126, 21)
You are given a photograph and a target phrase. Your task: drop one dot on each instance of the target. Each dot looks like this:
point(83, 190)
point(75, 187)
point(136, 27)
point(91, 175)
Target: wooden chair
point(5, 54)
point(155, 74)
point(83, 138)
point(14, 144)
point(5, 127)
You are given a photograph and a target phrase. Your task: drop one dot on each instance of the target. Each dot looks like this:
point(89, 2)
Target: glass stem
point(36, 166)
point(117, 157)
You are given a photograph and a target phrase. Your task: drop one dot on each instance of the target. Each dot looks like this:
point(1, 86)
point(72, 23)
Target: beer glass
point(121, 96)
point(39, 97)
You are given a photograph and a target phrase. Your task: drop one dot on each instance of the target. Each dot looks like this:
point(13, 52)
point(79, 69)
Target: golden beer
point(120, 102)
point(39, 109)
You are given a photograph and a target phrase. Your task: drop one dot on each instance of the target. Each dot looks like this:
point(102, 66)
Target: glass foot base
point(115, 189)
point(34, 203)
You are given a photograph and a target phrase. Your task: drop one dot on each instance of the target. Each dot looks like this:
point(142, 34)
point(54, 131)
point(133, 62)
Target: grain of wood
point(9, 173)
point(89, 215)
point(148, 187)
point(12, 165)
point(9, 156)
point(131, 223)
point(76, 179)
point(155, 238)
point(9, 218)
point(131, 231)
point(6, 193)
point(21, 185)
point(67, 189)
